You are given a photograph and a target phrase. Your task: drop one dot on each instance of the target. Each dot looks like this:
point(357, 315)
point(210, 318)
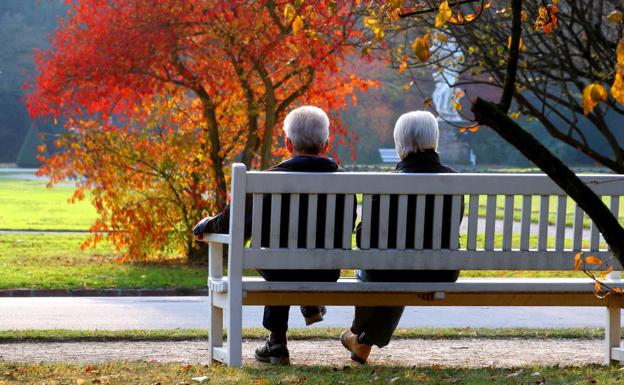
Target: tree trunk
point(489, 114)
point(197, 252)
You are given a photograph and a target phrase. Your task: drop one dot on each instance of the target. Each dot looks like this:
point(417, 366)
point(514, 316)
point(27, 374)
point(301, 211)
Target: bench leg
point(613, 332)
point(235, 329)
point(215, 322)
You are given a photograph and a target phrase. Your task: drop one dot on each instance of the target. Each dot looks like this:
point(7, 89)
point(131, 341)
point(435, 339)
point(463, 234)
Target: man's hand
point(200, 228)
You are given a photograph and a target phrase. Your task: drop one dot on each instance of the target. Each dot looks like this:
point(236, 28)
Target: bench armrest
point(217, 238)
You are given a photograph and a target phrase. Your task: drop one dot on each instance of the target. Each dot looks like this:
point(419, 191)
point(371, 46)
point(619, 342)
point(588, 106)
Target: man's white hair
point(415, 131)
point(308, 129)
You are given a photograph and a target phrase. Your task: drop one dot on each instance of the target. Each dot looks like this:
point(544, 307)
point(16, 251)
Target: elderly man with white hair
point(416, 140)
point(306, 135)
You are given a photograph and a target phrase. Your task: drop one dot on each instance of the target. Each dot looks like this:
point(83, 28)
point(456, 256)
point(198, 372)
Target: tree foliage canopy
point(160, 96)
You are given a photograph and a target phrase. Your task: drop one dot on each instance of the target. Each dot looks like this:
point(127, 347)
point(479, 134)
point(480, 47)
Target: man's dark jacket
point(427, 161)
point(221, 222)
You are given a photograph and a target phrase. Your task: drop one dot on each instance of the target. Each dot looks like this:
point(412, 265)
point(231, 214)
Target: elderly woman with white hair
point(306, 136)
point(416, 140)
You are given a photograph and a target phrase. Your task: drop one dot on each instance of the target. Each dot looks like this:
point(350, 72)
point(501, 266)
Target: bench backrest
point(503, 199)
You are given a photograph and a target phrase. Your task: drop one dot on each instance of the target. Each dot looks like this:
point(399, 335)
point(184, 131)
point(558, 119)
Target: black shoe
point(274, 354)
point(313, 314)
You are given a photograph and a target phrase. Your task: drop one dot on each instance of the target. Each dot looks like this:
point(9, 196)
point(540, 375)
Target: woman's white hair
point(308, 129)
point(415, 131)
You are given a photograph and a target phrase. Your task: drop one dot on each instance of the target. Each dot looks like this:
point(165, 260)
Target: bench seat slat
point(463, 285)
point(393, 259)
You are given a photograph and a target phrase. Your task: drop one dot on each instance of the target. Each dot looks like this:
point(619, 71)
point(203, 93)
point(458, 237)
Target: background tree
point(160, 97)
point(495, 115)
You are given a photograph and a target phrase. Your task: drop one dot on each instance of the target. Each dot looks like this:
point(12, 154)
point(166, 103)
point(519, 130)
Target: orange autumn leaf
point(577, 262)
point(593, 260)
point(593, 94)
point(444, 14)
point(420, 46)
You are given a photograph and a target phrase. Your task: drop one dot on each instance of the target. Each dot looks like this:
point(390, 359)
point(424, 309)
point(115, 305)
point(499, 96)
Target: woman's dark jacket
point(420, 162)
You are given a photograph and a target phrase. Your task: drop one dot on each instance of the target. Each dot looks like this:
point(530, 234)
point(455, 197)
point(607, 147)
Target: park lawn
point(30, 205)
point(296, 334)
point(184, 373)
point(56, 261)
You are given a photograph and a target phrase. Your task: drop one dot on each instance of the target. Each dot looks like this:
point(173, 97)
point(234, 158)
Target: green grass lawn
point(30, 205)
point(178, 373)
point(296, 334)
point(56, 261)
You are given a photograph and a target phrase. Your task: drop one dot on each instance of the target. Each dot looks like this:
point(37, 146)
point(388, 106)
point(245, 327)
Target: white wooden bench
point(228, 294)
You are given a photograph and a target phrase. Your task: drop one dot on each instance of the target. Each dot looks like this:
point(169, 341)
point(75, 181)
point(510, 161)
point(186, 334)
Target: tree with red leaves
point(159, 97)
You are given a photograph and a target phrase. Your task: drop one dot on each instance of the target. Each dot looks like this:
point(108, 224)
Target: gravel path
point(413, 352)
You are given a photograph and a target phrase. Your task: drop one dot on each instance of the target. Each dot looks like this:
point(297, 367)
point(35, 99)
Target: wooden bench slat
point(347, 224)
point(419, 229)
point(542, 238)
point(455, 221)
point(463, 285)
point(615, 208)
point(276, 217)
point(577, 238)
point(438, 205)
point(311, 225)
point(330, 218)
point(473, 218)
point(561, 223)
point(384, 212)
point(397, 183)
point(293, 221)
point(508, 222)
point(525, 225)
point(256, 221)
point(393, 259)
point(490, 222)
point(402, 222)
point(367, 204)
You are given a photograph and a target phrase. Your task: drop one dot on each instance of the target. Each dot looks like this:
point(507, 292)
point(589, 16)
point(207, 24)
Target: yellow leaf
point(407, 86)
point(374, 25)
point(289, 12)
point(297, 24)
point(593, 260)
point(597, 287)
point(420, 46)
point(524, 16)
point(620, 52)
point(442, 37)
point(577, 262)
point(592, 95)
point(488, 5)
point(457, 105)
point(470, 17)
point(617, 89)
point(444, 14)
point(403, 66)
point(515, 115)
point(616, 17)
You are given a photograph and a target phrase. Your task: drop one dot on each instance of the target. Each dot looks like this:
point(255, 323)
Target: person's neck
point(297, 153)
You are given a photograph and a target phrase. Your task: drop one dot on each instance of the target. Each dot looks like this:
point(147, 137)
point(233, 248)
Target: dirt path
point(414, 352)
